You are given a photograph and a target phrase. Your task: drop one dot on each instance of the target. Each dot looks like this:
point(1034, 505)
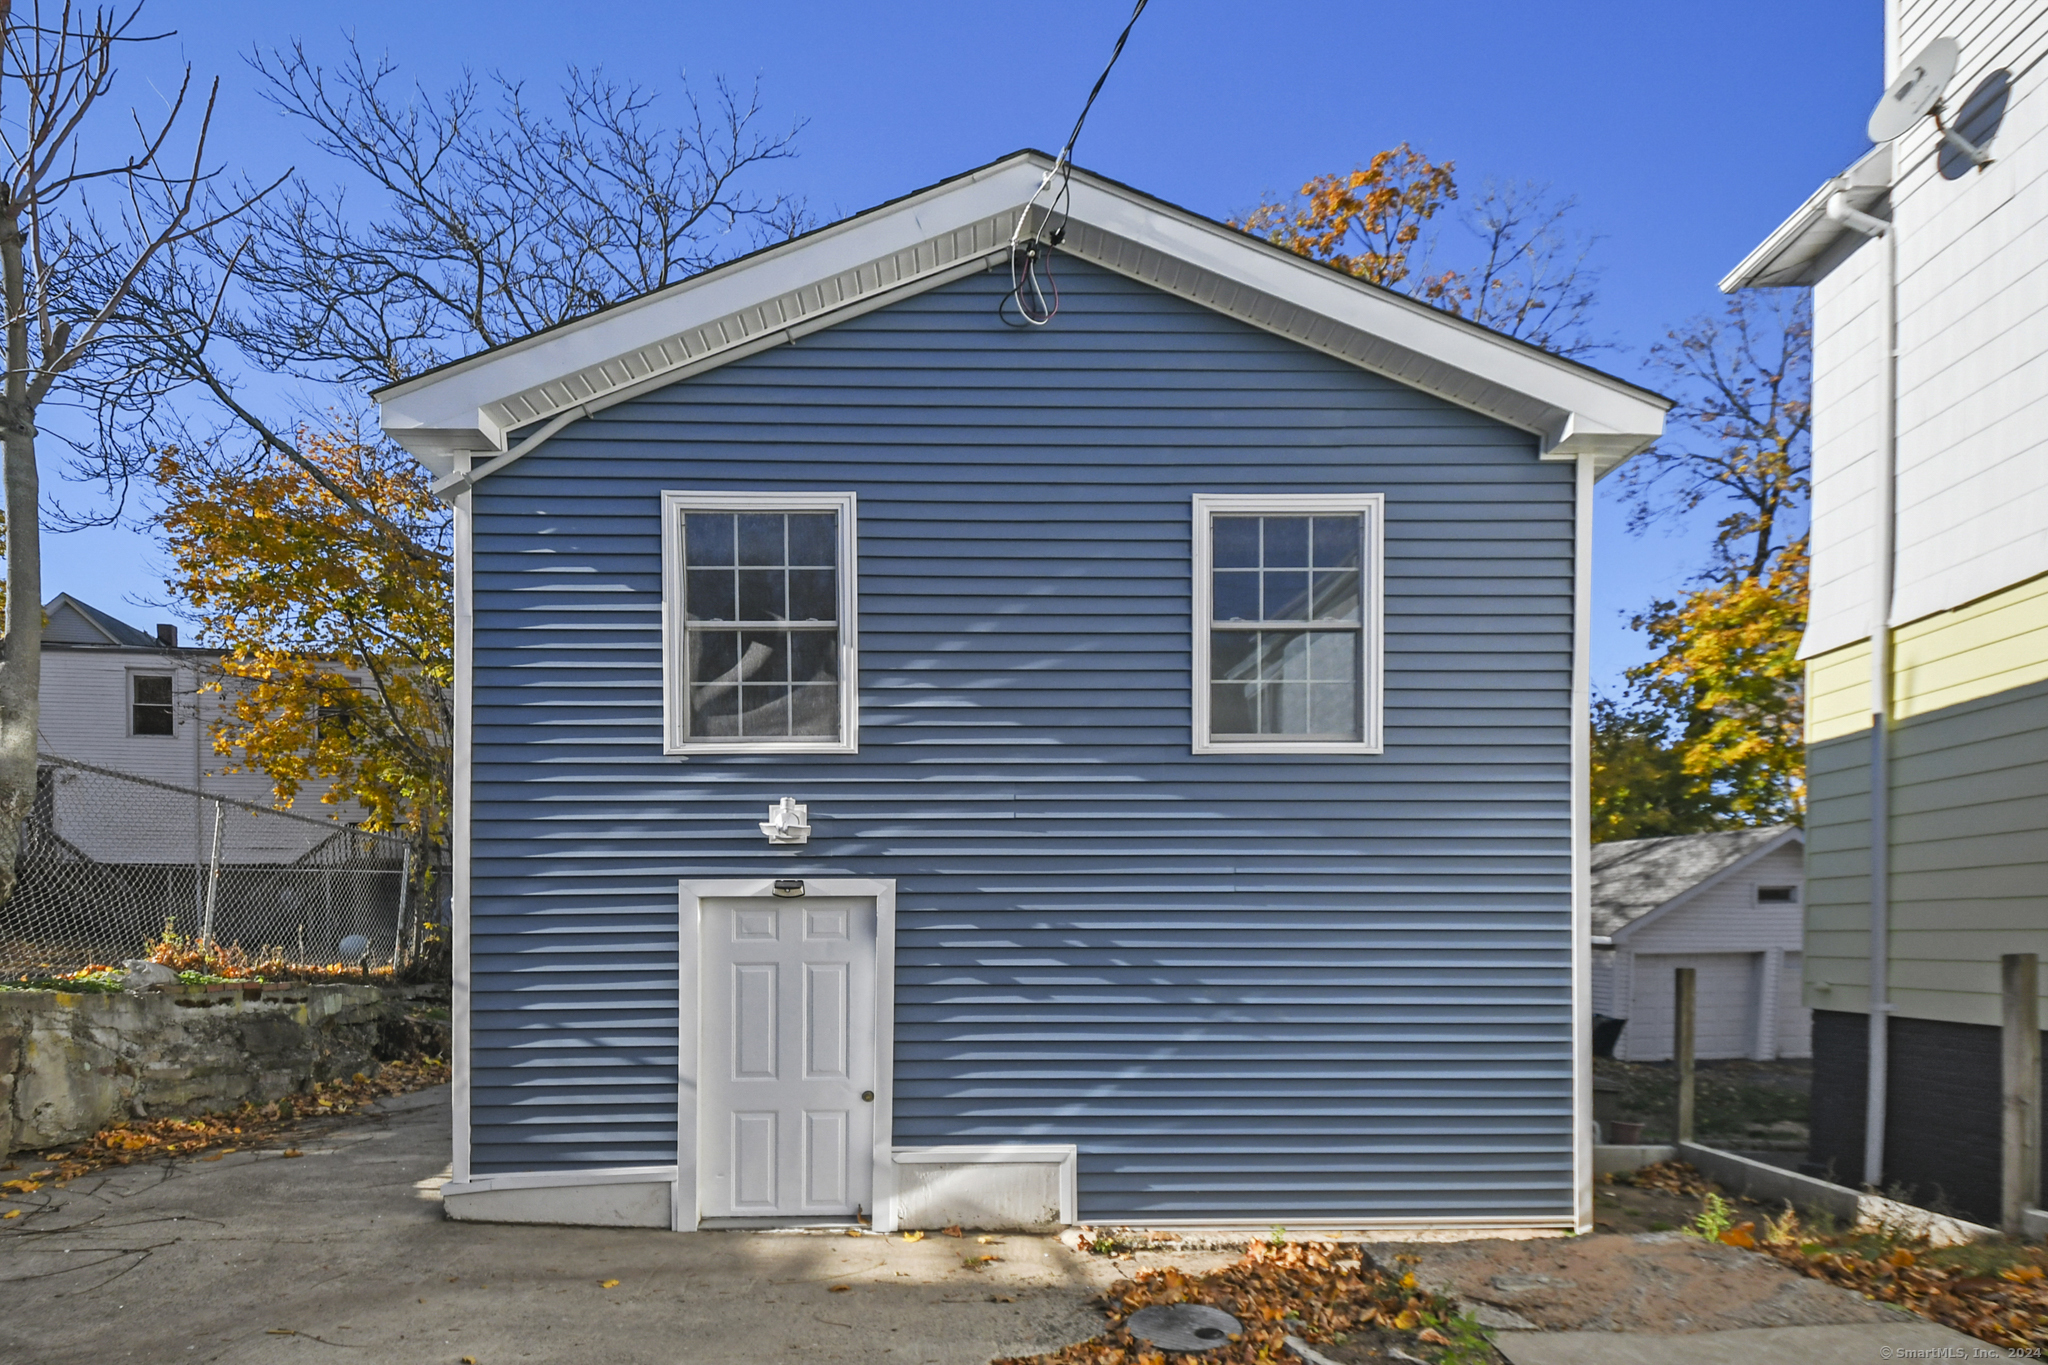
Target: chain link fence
point(108, 860)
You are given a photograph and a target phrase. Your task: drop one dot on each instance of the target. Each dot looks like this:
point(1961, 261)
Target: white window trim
point(674, 711)
point(1372, 665)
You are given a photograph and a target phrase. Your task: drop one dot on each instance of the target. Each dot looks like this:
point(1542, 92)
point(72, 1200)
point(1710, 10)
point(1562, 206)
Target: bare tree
point(1744, 418)
point(464, 220)
point(76, 232)
point(1527, 275)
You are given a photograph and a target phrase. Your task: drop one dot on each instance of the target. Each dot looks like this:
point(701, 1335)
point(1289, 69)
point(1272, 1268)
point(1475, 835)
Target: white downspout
point(1878, 1105)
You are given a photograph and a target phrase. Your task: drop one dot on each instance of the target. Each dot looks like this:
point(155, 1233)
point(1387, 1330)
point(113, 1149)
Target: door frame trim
point(687, 1207)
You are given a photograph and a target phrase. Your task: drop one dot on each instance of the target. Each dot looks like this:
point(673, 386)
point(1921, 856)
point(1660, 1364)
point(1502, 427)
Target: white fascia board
point(1572, 407)
point(445, 410)
point(1794, 252)
point(931, 237)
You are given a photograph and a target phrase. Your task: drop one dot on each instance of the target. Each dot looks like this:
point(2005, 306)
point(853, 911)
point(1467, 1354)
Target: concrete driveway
point(342, 1255)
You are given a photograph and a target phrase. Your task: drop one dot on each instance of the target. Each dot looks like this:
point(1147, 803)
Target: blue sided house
point(921, 760)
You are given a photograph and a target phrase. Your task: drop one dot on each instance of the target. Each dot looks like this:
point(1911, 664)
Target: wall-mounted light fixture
point(787, 822)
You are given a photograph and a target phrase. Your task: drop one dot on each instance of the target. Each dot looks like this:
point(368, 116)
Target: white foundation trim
point(1064, 1155)
point(687, 1210)
point(561, 1180)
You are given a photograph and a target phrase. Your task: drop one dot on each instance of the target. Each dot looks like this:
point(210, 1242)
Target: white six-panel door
point(787, 1046)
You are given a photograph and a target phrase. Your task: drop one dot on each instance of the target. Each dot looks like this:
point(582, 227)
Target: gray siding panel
point(1247, 987)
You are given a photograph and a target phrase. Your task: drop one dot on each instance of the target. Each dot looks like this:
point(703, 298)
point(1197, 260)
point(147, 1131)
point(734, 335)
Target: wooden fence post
point(2021, 1137)
point(1682, 1048)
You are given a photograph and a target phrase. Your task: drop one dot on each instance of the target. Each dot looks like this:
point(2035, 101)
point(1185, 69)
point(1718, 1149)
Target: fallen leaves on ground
point(122, 1143)
point(1964, 1287)
point(913, 1237)
point(838, 1288)
point(1318, 1291)
point(607, 1284)
point(954, 1231)
point(1672, 1177)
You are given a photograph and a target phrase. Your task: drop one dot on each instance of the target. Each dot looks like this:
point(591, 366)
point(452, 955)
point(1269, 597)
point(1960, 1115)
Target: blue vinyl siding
point(1290, 987)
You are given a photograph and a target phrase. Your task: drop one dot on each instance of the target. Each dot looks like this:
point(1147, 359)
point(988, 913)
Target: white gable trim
point(1627, 931)
point(943, 233)
point(1799, 250)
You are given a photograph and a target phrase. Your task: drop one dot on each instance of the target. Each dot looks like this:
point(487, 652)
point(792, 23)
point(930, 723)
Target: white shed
point(1727, 905)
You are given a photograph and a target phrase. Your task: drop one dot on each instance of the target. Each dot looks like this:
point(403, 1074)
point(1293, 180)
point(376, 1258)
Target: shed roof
point(1632, 877)
point(503, 402)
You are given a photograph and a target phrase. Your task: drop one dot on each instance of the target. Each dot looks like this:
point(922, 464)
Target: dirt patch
point(1662, 1282)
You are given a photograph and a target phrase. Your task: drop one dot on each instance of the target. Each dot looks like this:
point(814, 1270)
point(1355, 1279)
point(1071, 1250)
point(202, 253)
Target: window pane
point(1286, 542)
point(1283, 708)
point(764, 656)
point(814, 656)
point(764, 710)
point(814, 709)
point(1336, 542)
point(762, 595)
point(1234, 654)
point(1336, 595)
point(1333, 656)
point(761, 538)
point(1236, 596)
point(152, 689)
point(814, 539)
point(1283, 655)
point(1333, 709)
point(1236, 542)
point(813, 595)
point(708, 595)
point(715, 711)
point(1233, 708)
point(1286, 596)
point(714, 656)
point(707, 539)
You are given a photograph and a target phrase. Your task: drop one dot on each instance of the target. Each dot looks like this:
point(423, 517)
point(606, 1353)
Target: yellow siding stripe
point(1990, 646)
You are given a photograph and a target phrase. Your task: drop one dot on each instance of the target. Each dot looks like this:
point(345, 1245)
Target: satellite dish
point(1916, 91)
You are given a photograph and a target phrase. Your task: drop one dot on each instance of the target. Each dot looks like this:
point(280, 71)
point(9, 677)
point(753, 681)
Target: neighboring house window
point(760, 622)
point(149, 704)
point(1777, 895)
point(1287, 624)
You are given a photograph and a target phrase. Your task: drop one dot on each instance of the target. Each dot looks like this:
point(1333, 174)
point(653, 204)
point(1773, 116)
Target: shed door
point(787, 1043)
point(1724, 1004)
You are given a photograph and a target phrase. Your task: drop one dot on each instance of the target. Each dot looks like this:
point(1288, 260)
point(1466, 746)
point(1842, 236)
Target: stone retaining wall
point(72, 1063)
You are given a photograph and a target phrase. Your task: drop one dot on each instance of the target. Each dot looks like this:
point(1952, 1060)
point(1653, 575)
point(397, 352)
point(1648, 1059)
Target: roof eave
point(476, 405)
point(1797, 251)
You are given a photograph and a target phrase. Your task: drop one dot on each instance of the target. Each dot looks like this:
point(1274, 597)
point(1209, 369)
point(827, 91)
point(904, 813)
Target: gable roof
point(479, 404)
point(1633, 878)
point(72, 622)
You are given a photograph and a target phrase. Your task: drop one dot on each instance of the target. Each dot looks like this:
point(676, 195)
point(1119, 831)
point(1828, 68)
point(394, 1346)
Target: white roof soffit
point(475, 406)
point(1798, 250)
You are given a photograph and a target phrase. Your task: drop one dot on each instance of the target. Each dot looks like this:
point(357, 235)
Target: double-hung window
point(1287, 624)
point(149, 704)
point(759, 623)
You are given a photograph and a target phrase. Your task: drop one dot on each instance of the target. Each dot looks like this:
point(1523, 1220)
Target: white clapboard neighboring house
point(1726, 905)
point(135, 702)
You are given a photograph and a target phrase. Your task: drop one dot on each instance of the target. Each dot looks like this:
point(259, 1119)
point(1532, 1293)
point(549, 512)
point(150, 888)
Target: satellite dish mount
point(1916, 94)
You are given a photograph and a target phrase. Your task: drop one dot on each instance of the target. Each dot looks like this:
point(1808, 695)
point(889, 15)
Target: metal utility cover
point(1184, 1326)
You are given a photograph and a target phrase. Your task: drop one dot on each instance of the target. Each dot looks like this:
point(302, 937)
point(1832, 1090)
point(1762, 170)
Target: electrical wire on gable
point(1034, 293)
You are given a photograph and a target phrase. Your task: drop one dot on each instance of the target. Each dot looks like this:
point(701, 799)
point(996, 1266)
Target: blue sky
point(1686, 129)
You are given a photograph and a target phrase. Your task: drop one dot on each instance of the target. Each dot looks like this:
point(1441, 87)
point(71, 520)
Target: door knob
point(868, 1095)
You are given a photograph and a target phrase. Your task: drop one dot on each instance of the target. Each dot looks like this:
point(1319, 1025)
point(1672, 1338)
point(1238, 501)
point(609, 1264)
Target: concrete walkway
point(343, 1255)
point(1843, 1344)
point(258, 1258)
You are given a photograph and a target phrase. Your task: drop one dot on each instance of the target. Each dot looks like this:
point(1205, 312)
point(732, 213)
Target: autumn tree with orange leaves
point(339, 663)
point(1711, 733)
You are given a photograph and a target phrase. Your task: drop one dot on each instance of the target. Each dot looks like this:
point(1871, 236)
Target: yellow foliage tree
point(339, 664)
point(1364, 222)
